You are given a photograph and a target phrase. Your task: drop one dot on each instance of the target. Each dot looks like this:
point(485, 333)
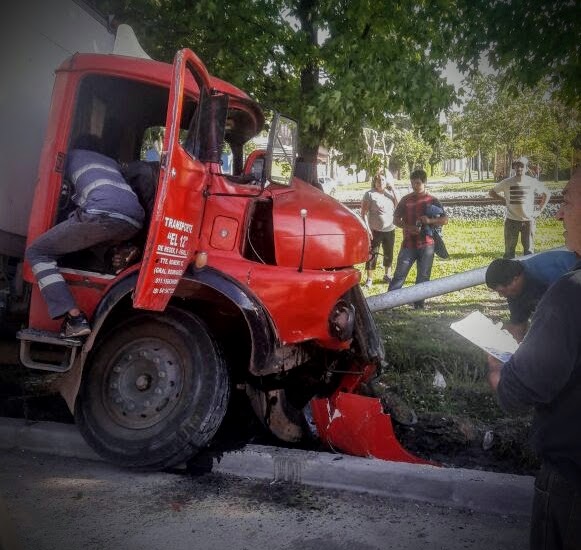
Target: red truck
point(245, 281)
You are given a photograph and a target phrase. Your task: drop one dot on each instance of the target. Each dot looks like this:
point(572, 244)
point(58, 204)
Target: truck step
point(42, 340)
point(47, 337)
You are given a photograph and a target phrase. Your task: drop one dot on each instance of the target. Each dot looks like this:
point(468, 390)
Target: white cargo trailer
point(36, 36)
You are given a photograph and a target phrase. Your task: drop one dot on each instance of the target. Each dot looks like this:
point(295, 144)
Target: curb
point(487, 492)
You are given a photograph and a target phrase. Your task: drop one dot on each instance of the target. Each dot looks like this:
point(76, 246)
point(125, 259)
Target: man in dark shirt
point(418, 243)
point(523, 283)
point(545, 374)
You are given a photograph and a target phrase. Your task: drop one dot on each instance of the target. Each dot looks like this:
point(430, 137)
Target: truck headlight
point(342, 320)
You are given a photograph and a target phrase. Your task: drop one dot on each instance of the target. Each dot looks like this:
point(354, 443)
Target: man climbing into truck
point(107, 210)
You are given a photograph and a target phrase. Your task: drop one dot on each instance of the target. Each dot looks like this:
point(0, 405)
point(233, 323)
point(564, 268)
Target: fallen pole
point(437, 287)
point(429, 289)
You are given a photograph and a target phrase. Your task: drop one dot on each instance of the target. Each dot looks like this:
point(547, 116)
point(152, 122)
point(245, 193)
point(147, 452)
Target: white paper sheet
point(487, 335)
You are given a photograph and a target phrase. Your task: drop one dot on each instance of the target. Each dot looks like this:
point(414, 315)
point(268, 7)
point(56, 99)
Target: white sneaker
point(368, 283)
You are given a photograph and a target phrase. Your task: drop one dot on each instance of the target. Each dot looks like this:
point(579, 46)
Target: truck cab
point(244, 280)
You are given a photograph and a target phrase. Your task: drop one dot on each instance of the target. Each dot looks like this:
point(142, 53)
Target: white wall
point(35, 37)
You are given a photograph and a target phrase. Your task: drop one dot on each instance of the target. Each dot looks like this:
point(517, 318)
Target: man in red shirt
point(418, 244)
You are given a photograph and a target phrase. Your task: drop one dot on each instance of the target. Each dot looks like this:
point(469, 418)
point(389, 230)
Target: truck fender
point(258, 321)
point(260, 325)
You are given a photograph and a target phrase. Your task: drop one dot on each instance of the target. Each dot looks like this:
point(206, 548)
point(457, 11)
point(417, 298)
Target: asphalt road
point(67, 504)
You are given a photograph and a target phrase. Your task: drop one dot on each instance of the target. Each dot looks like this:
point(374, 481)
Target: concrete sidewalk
point(488, 492)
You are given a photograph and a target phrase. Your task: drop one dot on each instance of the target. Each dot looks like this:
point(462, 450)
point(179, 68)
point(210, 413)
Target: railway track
point(485, 201)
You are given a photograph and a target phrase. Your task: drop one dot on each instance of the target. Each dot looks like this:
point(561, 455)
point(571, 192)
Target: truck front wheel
point(154, 392)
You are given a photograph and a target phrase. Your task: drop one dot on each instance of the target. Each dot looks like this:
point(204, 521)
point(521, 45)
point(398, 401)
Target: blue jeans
point(405, 260)
point(556, 516)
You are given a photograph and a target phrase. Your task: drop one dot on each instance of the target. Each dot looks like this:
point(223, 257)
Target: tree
point(378, 150)
point(530, 122)
point(528, 41)
point(336, 66)
point(555, 137)
point(445, 147)
point(474, 127)
point(411, 151)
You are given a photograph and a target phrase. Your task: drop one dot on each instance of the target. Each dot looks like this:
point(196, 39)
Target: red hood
point(335, 236)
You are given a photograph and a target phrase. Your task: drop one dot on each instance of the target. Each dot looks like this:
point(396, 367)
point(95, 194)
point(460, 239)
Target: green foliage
point(557, 130)
point(529, 41)
point(445, 147)
point(338, 67)
point(375, 152)
point(411, 151)
point(334, 66)
point(498, 121)
point(475, 128)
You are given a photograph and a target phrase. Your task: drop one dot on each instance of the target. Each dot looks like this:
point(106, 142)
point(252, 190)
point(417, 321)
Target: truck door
point(175, 225)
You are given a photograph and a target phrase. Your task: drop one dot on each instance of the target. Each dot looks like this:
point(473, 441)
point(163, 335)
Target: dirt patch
point(433, 375)
point(31, 395)
point(464, 443)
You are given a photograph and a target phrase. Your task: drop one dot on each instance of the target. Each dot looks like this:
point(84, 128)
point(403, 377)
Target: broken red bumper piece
point(357, 425)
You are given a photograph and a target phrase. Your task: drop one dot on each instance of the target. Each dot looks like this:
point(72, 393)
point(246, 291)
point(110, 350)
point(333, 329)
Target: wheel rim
point(143, 383)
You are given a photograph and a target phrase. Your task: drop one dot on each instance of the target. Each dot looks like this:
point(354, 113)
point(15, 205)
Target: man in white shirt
point(519, 195)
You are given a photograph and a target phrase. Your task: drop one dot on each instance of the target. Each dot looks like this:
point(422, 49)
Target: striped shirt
point(100, 187)
point(520, 196)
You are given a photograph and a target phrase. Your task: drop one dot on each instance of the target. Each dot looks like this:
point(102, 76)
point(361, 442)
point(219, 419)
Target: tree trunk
point(387, 152)
point(307, 157)
point(510, 155)
point(479, 164)
point(306, 166)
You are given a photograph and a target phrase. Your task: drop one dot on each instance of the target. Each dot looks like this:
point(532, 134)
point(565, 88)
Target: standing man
point(545, 374)
point(377, 208)
point(418, 243)
point(519, 195)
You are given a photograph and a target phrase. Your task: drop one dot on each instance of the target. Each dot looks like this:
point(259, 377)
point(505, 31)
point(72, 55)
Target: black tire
point(154, 392)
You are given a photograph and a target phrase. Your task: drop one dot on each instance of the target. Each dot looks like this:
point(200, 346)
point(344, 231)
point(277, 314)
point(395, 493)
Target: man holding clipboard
point(544, 373)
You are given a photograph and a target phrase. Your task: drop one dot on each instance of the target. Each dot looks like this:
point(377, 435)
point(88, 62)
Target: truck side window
point(152, 144)
point(227, 160)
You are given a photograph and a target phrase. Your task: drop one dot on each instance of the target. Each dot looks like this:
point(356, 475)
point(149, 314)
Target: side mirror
point(282, 150)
